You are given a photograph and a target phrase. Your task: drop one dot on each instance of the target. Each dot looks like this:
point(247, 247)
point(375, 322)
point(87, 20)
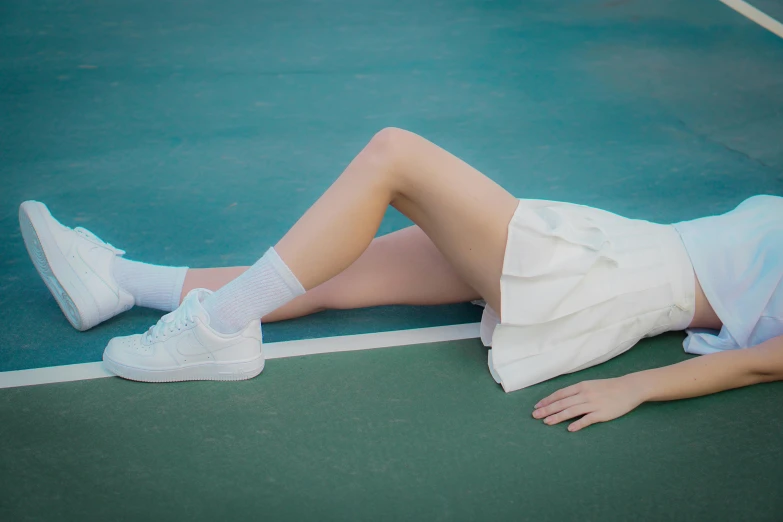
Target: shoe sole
point(44, 252)
point(203, 372)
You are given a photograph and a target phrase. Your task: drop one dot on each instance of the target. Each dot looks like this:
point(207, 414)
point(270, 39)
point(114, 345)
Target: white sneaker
point(76, 266)
point(182, 347)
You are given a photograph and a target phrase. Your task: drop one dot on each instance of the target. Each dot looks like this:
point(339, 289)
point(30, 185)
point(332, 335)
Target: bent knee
point(391, 143)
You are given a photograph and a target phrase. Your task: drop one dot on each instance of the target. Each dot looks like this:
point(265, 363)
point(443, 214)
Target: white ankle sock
point(263, 288)
point(151, 286)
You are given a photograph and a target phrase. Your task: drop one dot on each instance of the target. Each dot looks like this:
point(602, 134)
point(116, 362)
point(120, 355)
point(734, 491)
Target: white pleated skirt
point(580, 286)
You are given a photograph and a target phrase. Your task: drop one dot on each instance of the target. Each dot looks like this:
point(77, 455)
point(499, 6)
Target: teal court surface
point(195, 133)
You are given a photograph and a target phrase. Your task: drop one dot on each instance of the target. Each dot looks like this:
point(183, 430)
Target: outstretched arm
point(607, 399)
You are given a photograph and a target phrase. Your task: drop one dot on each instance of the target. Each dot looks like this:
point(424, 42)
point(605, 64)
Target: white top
point(738, 258)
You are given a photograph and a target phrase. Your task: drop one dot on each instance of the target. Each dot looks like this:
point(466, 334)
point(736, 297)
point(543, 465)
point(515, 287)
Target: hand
point(598, 401)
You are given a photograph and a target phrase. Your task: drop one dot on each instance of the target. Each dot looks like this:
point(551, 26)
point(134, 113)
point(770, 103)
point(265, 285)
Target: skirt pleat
point(580, 286)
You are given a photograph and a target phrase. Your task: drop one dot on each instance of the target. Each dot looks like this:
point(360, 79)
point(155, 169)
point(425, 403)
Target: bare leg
point(403, 267)
point(463, 212)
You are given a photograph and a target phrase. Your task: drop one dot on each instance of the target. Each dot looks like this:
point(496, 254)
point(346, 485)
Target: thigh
point(464, 213)
point(403, 267)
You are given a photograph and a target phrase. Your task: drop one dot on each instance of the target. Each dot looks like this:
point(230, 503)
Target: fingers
point(559, 406)
point(578, 400)
point(560, 394)
point(569, 413)
point(584, 422)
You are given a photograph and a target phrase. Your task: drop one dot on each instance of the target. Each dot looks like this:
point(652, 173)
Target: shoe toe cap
point(127, 349)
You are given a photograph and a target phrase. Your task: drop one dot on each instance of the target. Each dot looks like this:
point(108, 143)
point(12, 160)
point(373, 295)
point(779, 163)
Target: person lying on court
point(566, 286)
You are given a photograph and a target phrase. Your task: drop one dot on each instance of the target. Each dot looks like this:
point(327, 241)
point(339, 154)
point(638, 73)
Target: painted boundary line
point(750, 12)
point(281, 350)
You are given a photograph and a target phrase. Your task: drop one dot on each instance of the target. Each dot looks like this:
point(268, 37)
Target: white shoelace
point(180, 318)
point(95, 239)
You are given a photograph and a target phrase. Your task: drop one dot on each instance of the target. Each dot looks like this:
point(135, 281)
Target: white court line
point(343, 343)
point(763, 19)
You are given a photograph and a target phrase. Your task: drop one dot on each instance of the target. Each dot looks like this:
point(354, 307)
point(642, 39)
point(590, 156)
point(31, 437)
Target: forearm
point(711, 373)
point(606, 399)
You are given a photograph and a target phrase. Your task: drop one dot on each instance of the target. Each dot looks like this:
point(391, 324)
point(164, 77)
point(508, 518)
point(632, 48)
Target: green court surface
point(407, 433)
point(196, 132)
